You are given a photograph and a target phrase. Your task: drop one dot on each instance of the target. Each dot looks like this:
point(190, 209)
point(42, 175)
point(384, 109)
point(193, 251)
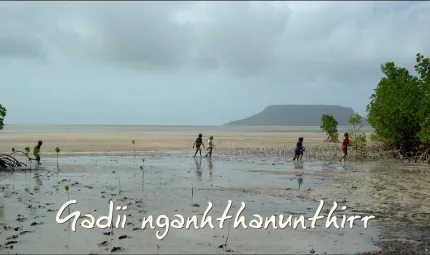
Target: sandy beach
point(101, 166)
point(77, 139)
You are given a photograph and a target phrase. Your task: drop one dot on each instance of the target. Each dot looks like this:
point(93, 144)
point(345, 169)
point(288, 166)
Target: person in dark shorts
point(197, 144)
point(298, 151)
point(36, 151)
point(344, 147)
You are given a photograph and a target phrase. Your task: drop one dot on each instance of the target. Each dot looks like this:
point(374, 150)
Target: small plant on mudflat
point(8, 161)
point(142, 169)
point(134, 150)
point(68, 197)
point(27, 154)
point(57, 150)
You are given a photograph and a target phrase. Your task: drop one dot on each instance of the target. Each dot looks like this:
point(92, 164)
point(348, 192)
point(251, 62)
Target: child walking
point(210, 146)
point(344, 147)
point(298, 151)
point(36, 151)
point(197, 144)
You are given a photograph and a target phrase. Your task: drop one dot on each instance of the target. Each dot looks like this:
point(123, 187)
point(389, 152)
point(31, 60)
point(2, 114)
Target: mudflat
point(172, 182)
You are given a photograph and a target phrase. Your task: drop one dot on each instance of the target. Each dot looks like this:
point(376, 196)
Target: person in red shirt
point(344, 147)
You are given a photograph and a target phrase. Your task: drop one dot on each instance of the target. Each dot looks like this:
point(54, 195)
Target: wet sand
point(96, 164)
point(397, 194)
point(169, 182)
point(175, 183)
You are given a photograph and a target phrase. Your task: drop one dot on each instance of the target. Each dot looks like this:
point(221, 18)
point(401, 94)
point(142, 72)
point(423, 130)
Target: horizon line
point(152, 125)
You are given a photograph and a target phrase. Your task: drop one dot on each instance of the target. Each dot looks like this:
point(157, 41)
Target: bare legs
point(209, 153)
point(344, 155)
point(198, 150)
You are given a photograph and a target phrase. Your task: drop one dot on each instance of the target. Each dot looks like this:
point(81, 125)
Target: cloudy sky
point(196, 63)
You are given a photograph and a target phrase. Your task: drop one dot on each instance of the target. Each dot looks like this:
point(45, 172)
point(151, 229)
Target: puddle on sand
point(172, 185)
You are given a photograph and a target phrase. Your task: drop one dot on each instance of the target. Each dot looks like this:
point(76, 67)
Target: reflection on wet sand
point(298, 164)
point(1, 206)
point(67, 246)
point(210, 166)
point(300, 180)
point(344, 167)
point(38, 180)
point(198, 167)
point(27, 179)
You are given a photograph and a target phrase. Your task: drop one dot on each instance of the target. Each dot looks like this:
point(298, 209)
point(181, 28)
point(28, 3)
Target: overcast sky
point(196, 63)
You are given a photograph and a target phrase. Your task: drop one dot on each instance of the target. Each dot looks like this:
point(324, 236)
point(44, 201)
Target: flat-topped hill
point(296, 115)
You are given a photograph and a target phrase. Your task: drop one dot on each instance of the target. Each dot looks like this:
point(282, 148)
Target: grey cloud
point(236, 38)
point(354, 44)
point(240, 38)
point(168, 55)
point(20, 47)
point(20, 31)
point(144, 34)
point(243, 38)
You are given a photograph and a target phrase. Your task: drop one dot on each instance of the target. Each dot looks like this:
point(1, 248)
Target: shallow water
point(170, 185)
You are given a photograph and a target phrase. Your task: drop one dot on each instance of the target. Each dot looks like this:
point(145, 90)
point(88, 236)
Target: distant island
point(296, 115)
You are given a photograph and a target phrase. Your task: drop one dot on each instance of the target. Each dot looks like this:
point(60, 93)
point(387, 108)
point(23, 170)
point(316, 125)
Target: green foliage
point(334, 137)
point(375, 138)
point(27, 152)
point(66, 188)
point(423, 69)
point(329, 126)
point(400, 105)
point(355, 121)
point(357, 139)
point(358, 142)
point(13, 150)
point(2, 116)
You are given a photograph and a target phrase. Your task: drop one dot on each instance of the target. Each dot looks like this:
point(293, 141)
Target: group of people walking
point(299, 150)
point(199, 142)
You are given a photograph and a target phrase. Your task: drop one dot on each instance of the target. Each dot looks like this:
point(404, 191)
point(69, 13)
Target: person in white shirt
point(210, 147)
